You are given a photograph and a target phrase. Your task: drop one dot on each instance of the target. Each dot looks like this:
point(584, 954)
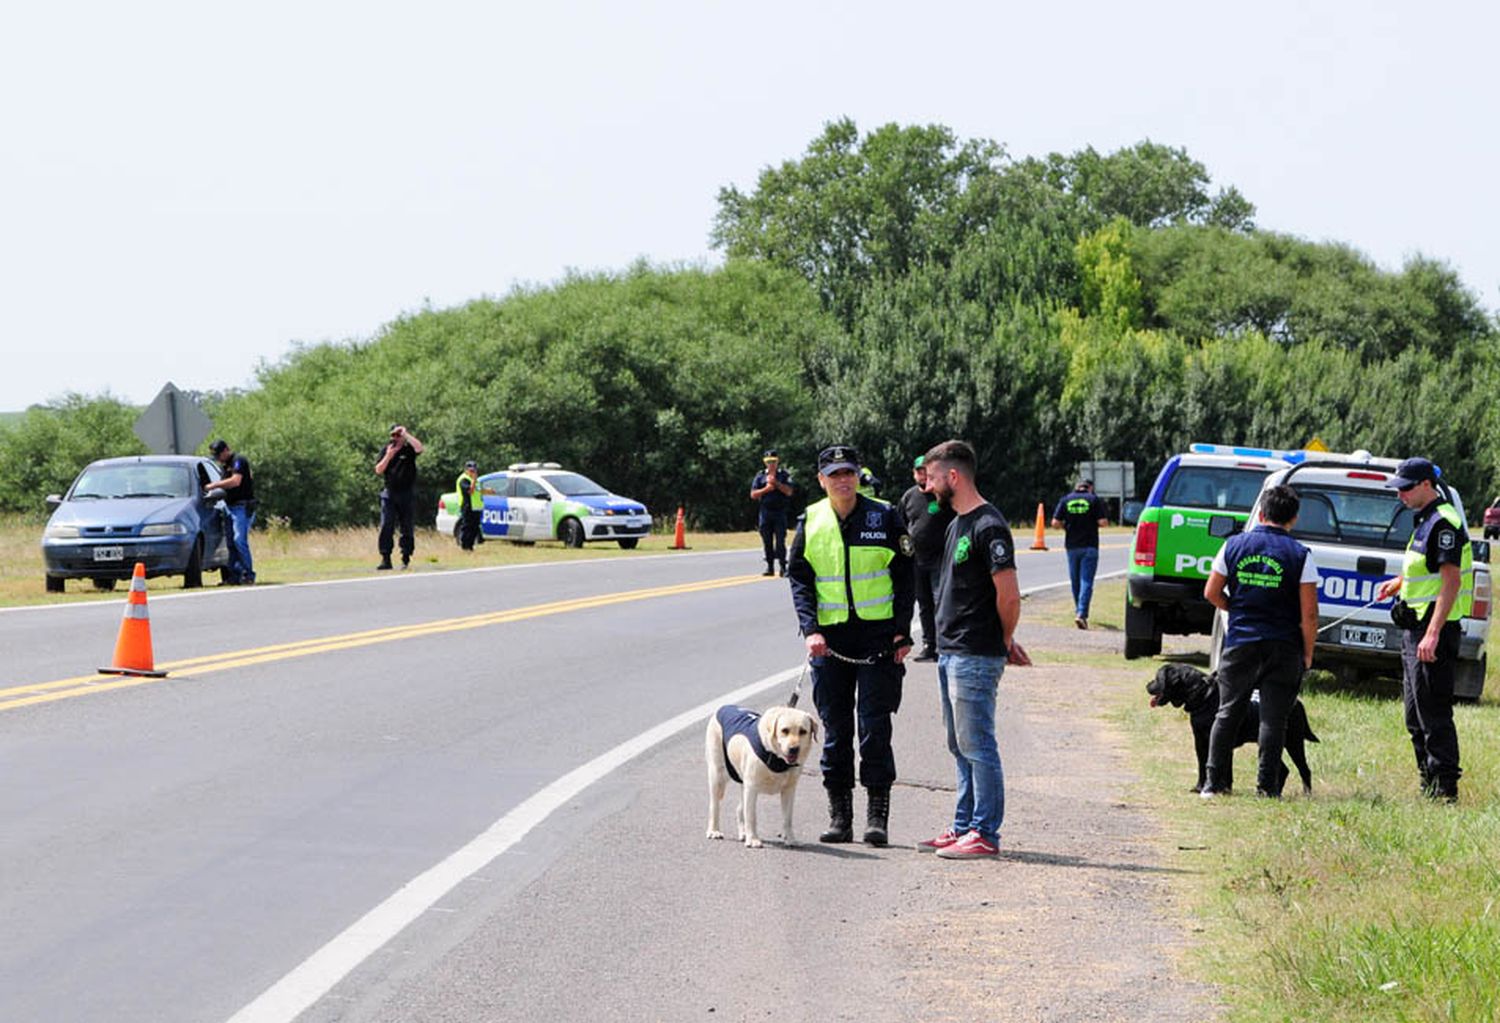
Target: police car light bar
point(1290, 457)
point(523, 466)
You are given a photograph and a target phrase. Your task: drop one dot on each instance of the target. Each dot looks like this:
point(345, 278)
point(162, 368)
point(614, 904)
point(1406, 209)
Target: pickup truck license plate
point(109, 553)
point(1372, 636)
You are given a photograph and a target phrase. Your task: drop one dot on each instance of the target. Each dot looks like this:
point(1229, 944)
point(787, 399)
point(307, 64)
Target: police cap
point(836, 458)
point(1411, 472)
point(770, 455)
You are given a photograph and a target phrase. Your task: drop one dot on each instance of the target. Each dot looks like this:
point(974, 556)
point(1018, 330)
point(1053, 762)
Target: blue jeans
point(1083, 562)
point(241, 567)
point(969, 685)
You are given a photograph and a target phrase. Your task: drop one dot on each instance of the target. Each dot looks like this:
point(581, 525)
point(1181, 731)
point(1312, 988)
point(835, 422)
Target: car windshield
point(1212, 486)
point(570, 484)
point(136, 480)
point(1347, 515)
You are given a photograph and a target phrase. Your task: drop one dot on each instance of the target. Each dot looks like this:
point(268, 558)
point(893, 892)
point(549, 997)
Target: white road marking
point(383, 578)
point(294, 993)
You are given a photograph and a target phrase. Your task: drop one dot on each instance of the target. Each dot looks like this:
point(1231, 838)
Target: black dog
point(1198, 694)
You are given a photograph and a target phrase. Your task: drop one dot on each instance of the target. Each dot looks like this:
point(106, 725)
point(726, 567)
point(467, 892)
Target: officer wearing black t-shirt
point(851, 580)
point(1268, 584)
point(237, 488)
point(1080, 514)
point(398, 465)
point(927, 521)
point(1436, 587)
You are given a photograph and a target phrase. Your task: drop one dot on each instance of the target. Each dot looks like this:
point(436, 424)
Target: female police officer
point(852, 586)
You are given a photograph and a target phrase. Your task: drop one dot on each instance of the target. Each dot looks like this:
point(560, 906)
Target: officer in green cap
point(927, 521)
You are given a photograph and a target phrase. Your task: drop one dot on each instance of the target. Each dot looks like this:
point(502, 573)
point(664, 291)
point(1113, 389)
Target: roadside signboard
point(172, 424)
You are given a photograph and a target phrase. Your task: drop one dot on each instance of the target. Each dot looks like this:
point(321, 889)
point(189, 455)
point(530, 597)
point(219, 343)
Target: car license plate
point(109, 553)
point(1372, 636)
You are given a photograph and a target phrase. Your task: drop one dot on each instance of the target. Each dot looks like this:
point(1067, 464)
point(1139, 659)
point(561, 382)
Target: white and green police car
point(1357, 529)
point(531, 501)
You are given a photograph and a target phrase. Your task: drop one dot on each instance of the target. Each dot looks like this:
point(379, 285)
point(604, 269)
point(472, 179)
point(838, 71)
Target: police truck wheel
point(629, 543)
point(1142, 637)
point(570, 532)
point(192, 576)
point(104, 585)
point(55, 584)
point(1468, 679)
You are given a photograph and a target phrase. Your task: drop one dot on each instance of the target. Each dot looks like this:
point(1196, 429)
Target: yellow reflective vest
point(839, 571)
point(1420, 586)
point(476, 499)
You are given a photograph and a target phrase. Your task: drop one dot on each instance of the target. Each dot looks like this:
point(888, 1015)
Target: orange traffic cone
point(679, 542)
point(133, 648)
point(1040, 541)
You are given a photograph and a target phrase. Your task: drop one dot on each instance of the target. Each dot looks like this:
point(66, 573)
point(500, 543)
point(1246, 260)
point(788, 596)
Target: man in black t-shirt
point(237, 488)
point(1080, 514)
point(927, 521)
point(398, 465)
point(978, 607)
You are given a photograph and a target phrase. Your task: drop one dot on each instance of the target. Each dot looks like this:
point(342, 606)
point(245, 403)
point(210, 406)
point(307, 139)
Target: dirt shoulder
point(1078, 920)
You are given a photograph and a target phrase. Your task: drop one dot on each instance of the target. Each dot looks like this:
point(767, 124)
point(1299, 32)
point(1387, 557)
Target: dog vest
point(739, 721)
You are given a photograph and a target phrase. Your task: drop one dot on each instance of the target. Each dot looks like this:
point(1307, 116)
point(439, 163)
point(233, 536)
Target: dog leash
point(874, 658)
point(1351, 614)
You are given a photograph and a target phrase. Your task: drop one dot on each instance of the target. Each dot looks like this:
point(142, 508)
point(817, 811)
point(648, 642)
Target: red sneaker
point(943, 841)
point(972, 846)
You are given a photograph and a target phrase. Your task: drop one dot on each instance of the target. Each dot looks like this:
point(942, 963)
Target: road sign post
point(172, 424)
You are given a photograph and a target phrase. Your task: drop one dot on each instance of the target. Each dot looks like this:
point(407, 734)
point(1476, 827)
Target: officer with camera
point(1436, 590)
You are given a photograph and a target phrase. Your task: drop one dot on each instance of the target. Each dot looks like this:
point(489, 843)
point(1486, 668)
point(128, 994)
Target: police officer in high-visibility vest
point(1436, 590)
point(471, 505)
point(851, 578)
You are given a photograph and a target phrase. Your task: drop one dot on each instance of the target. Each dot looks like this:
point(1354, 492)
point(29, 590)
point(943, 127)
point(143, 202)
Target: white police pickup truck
point(1357, 530)
point(531, 501)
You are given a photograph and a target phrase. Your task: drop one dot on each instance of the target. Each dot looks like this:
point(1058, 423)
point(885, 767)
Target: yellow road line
point(87, 685)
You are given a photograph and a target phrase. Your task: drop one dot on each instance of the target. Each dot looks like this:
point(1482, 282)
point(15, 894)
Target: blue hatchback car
point(148, 508)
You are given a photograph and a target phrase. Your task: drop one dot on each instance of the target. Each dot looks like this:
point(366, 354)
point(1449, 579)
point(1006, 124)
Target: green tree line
point(887, 289)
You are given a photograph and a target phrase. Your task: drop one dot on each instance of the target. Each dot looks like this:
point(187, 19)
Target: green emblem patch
point(961, 552)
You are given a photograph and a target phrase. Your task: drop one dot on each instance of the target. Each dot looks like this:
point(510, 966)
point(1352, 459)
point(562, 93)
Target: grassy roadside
point(1362, 902)
point(282, 556)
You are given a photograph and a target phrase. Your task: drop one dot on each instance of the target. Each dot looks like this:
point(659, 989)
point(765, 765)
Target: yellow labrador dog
point(764, 753)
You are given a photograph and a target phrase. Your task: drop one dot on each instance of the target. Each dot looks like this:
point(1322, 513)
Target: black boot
point(877, 817)
point(385, 563)
point(769, 570)
point(840, 817)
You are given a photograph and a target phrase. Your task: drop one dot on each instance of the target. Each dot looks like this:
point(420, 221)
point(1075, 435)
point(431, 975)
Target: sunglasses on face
point(1409, 486)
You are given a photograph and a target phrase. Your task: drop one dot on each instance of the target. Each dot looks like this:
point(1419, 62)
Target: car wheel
point(55, 584)
point(104, 585)
point(1142, 637)
point(629, 543)
point(1468, 679)
point(570, 532)
point(192, 576)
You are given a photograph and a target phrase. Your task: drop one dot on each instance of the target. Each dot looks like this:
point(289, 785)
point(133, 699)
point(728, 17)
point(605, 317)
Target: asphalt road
point(172, 850)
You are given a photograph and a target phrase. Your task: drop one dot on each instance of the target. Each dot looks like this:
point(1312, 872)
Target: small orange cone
point(1040, 542)
point(679, 542)
point(133, 648)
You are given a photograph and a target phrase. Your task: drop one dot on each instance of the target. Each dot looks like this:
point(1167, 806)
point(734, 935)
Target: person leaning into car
point(1268, 584)
point(237, 487)
point(1436, 585)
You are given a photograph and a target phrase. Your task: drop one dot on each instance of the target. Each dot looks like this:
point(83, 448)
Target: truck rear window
point(1346, 515)
point(1212, 486)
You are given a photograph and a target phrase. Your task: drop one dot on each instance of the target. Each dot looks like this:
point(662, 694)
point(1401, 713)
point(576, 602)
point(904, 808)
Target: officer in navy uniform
point(1436, 587)
point(853, 588)
point(1268, 584)
point(772, 487)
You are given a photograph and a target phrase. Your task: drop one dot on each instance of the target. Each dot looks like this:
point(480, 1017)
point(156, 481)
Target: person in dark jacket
point(850, 572)
point(772, 488)
point(927, 521)
point(398, 466)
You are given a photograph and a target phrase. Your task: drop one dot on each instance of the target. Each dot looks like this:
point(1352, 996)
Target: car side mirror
point(1481, 550)
point(1130, 513)
point(544, 496)
point(54, 501)
point(1223, 526)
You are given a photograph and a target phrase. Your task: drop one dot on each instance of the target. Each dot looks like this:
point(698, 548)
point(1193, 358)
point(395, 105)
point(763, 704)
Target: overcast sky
point(188, 189)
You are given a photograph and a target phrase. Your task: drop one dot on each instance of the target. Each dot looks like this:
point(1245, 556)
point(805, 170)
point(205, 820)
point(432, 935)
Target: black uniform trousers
point(468, 528)
point(773, 537)
point(1273, 666)
point(855, 703)
point(1427, 693)
point(928, 575)
point(397, 509)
